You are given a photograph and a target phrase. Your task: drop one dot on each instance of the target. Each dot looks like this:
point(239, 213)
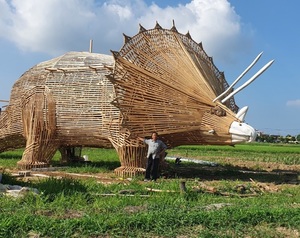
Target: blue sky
point(233, 32)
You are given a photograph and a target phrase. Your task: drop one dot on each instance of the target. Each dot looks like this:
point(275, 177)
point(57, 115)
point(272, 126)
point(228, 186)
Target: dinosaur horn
point(238, 78)
point(249, 81)
point(242, 113)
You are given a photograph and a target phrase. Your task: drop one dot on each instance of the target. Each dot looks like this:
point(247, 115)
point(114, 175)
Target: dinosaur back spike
point(126, 38)
point(157, 26)
point(115, 53)
point(174, 27)
point(200, 45)
point(188, 35)
point(141, 29)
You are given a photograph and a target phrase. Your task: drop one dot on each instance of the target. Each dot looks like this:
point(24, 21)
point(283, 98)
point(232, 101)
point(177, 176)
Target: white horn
point(249, 81)
point(241, 75)
point(242, 113)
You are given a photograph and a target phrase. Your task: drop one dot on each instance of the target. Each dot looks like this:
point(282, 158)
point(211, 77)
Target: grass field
point(252, 192)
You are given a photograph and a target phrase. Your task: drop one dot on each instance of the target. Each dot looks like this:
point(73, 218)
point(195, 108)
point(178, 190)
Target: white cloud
point(293, 103)
point(212, 22)
point(123, 12)
point(55, 26)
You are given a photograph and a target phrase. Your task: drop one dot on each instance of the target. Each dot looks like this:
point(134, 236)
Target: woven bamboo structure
point(160, 80)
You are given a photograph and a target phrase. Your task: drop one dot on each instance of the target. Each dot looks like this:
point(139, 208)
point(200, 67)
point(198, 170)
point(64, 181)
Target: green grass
point(83, 208)
point(282, 153)
point(69, 208)
point(9, 159)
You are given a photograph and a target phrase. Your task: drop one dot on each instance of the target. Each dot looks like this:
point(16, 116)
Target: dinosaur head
point(222, 126)
point(242, 132)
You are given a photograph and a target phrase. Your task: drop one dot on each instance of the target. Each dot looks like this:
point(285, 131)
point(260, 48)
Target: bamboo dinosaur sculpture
point(160, 80)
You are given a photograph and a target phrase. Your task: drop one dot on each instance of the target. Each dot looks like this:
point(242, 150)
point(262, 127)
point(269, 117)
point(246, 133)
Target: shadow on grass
point(50, 187)
point(228, 172)
point(53, 186)
point(109, 165)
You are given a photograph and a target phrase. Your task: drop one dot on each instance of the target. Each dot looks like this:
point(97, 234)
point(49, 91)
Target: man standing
point(155, 149)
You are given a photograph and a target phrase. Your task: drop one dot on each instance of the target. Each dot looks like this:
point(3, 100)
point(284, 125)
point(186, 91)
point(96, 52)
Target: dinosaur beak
point(242, 132)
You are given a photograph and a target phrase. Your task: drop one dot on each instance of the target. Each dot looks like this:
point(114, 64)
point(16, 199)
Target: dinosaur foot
point(125, 171)
point(24, 165)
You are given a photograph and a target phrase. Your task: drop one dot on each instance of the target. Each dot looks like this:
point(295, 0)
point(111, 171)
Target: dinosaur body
point(159, 81)
point(69, 95)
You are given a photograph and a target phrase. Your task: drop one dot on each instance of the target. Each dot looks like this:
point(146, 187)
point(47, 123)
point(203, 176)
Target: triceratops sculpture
point(160, 80)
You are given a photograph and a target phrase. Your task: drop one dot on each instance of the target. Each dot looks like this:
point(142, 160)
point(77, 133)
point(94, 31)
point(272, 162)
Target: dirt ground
point(267, 166)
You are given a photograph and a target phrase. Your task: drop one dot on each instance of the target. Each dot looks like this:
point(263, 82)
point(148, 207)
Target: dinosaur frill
point(165, 82)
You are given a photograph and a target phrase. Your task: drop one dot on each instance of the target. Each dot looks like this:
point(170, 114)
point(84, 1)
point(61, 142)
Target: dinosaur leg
point(133, 160)
point(39, 126)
